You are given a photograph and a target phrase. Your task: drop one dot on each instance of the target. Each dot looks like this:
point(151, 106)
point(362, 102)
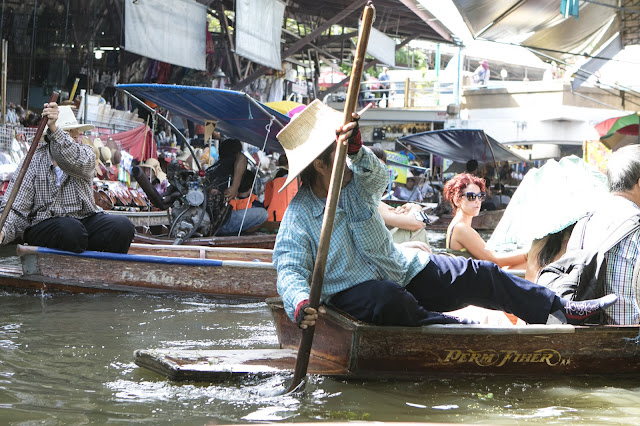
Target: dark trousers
point(447, 283)
point(384, 94)
point(98, 232)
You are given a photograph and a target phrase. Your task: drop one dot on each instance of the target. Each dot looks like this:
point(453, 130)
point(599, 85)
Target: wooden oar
point(304, 351)
point(25, 164)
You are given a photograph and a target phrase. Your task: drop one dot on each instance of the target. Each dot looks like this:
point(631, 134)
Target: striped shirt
point(40, 197)
point(361, 248)
point(621, 261)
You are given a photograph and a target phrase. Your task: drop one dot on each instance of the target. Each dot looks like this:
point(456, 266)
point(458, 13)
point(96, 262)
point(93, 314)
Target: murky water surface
point(68, 359)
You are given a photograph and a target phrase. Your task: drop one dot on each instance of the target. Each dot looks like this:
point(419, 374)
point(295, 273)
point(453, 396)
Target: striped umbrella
point(618, 132)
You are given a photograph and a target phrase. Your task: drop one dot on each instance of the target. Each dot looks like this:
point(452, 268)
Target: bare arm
point(403, 219)
point(239, 168)
point(465, 237)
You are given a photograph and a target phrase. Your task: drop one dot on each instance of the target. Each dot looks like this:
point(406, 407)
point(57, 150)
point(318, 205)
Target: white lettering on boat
point(489, 357)
point(151, 277)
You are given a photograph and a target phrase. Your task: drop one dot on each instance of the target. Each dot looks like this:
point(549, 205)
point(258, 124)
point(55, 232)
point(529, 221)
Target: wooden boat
point(216, 271)
point(143, 218)
point(264, 241)
point(347, 348)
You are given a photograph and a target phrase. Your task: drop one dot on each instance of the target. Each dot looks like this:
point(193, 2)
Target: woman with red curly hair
point(466, 192)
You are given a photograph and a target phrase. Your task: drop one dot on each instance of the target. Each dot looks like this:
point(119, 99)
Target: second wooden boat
point(230, 272)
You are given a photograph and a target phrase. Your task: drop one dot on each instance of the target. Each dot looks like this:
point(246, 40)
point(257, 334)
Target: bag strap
point(579, 229)
point(625, 228)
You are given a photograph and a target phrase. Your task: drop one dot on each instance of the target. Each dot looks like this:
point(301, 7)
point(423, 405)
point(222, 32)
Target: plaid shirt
point(621, 261)
point(361, 247)
point(40, 198)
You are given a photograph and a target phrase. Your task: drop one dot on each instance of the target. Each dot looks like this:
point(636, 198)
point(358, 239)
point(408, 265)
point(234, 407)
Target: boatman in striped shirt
point(367, 275)
point(54, 206)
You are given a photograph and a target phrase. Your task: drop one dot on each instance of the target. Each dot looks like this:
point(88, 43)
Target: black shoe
point(578, 312)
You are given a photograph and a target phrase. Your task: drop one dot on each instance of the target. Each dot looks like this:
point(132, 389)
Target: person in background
point(406, 222)
point(471, 167)
point(408, 152)
point(54, 206)
point(276, 201)
point(385, 85)
point(408, 191)
point(228, 175)
point(482, 74)
point(367, 275)
point(246, 199)
point(466, 192)
point(498, 198)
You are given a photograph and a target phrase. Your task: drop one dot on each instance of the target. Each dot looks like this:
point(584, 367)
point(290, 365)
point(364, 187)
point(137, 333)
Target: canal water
point(68, 359)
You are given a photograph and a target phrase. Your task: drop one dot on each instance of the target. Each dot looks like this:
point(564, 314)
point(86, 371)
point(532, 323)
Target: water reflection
point(68, 359)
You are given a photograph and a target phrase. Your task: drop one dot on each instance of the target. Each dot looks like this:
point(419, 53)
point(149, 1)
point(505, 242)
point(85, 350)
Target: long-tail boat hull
point(344, 347)
point(229, 272)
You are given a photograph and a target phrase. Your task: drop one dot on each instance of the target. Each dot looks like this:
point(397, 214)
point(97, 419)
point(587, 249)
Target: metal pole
point(152, 111)
point(5, 54)
point(33, 42)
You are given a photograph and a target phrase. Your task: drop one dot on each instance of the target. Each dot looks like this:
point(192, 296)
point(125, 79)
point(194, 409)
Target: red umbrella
point(330, 78)
point(617, 132)
point(373, 83)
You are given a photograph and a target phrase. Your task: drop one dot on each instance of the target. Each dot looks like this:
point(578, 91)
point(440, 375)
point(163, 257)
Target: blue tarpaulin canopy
point(238, 115)
point(461, 145)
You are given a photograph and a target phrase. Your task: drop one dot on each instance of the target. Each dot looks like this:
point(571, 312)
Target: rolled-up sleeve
point(18, 217)
point(372, 175)
point(294, 263)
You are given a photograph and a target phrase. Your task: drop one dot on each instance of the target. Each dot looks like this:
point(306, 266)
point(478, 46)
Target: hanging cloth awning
point(462, 145)
point(237, 115)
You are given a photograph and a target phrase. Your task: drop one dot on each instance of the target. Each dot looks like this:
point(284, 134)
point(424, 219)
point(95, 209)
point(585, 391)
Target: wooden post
point(407, 87)
point(25, 164)
point(304, 351)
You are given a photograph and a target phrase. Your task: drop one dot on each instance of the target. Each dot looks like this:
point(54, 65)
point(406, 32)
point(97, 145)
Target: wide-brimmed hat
point(116, 156)
point(307, 135)
point(154, 165)
point(105, 156)
point(97, 143)
point(67, 120)
point(88, 141)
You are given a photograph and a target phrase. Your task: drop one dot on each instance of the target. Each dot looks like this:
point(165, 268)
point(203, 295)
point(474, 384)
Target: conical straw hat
point(307, 135)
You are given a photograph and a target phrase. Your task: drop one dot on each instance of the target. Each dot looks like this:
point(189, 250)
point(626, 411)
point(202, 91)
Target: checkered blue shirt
point(361, 248)
point(40, 197)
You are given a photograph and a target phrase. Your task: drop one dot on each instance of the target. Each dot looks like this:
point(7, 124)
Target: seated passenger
point(367, 276)
point(226, 175)
point(466, 192)
point(408, 191)
point(499, 199)
point(406, 223)
point(623, 176)
point(276, 201)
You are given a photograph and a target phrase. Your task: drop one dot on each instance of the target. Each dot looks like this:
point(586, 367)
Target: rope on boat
point(255, 175)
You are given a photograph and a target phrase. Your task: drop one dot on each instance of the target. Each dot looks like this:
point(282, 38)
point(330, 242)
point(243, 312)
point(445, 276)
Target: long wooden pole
point(5, 54)
point(25, 165)
point(304, 351)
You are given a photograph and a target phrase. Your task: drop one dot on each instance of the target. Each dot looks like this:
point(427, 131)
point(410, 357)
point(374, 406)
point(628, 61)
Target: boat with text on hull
point(347, 348)
point(215, 271)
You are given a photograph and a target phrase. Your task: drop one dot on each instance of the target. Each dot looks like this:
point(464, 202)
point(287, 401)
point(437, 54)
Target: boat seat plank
point(221, 365)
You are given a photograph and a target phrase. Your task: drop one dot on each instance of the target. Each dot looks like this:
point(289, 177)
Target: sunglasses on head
point(471, 196)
